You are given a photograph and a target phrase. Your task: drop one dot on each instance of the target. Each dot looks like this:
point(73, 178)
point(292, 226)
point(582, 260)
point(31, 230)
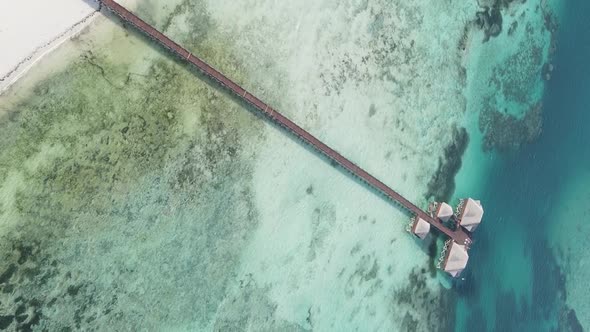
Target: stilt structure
point(455, 259)
point(444, 211)
point(469, 214)
point(422, 221)
point(419, 227)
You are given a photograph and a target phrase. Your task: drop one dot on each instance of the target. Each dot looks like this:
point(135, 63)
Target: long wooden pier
point(460, 235)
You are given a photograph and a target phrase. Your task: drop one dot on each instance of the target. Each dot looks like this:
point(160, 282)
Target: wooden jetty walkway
point(461, 236)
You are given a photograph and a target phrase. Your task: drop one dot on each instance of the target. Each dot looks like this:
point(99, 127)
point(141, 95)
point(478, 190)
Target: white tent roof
point(456, 259)
point(444, 211)
point(421, 228)
point(471, 215)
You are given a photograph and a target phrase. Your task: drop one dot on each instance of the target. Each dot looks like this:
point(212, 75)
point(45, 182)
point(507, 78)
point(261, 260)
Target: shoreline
point(42, 38)
point(350, 235)
point(327, 225)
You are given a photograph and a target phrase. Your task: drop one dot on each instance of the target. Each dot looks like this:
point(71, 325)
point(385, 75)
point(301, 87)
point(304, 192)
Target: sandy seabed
point(150, 198)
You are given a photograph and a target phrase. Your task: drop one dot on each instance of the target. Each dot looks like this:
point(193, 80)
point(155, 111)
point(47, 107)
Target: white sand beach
point(324, 245)
point(283, 237)
point(29, 29)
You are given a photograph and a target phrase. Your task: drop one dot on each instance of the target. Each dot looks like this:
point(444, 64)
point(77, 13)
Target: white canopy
point(444, 211)
point(471, 214)
point(421, 228)
point(456, 259)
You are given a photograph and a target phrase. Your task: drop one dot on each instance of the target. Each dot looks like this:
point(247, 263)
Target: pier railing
point(460, 236)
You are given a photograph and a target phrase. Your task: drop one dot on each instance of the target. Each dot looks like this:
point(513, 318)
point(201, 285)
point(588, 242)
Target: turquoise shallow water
point(122, 219)
point(513, 282)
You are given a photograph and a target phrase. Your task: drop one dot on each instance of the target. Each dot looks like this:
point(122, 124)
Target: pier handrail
point(460, 235)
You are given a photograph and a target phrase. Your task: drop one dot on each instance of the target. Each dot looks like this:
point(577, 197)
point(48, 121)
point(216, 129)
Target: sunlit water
point(135, 193)
point(531, 255)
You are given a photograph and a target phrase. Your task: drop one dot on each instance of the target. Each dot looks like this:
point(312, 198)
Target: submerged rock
point(442, 183)
point(5, 321)
point(547, 71)
point(490, 21)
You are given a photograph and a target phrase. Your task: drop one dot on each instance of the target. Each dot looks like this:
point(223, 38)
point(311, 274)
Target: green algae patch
point(122, 191)
point(91, 142)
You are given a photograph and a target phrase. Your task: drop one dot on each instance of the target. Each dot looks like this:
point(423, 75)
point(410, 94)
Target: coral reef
point(505, 132)
point(561, 264)
point(511, 112)
point(426, 309)
point(108, 181)
point(135, 192)
point(249, 306)
point(551, 25)
point(490, 21)
point(442, 184)
point(519, 74)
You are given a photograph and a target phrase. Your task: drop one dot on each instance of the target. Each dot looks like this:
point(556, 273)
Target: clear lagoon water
point(514, 281)
point(135, 195)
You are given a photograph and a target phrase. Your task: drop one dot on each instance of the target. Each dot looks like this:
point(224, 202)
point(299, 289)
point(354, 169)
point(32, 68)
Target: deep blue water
point(512, 243)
